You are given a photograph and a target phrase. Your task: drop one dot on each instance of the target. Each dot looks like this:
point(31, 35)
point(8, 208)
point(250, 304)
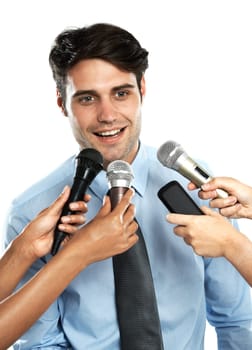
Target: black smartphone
point(177, 200)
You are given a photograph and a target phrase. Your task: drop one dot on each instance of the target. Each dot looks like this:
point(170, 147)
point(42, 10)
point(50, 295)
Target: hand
point(37, 237)
point(108, 234)
point(239, 202)
point(209, 235)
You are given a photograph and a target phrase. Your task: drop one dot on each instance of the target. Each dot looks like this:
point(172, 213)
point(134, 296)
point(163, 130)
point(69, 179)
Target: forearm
point(239, 253)
point(24, 307)
point(13, 265)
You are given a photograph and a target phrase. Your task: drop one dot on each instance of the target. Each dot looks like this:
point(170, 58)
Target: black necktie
point(135, 299)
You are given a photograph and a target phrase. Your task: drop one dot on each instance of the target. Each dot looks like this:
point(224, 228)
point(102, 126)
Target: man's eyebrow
point(84, 92)
point(124, 86)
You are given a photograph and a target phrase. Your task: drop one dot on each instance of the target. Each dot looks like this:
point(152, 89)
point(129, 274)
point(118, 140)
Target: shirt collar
point(140, 171)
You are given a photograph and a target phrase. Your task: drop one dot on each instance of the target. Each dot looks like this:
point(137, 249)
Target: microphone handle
point(116, 194)
point(77, 193)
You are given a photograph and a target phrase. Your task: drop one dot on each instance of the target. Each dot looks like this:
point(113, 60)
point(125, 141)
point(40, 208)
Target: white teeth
point(109, 133)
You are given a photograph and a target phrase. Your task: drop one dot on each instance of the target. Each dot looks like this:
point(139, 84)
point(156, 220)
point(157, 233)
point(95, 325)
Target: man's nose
point(106, 112)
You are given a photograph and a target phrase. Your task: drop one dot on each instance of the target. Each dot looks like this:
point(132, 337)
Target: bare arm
point(108, 234)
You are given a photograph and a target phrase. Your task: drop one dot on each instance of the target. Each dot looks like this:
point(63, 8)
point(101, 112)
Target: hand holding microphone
point(237, 205)
point(89, 164)
point(173, 156)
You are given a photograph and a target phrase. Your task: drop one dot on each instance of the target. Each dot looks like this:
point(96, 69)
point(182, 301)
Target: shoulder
point(157, 172)
point(36, 198)
point(58, 176)
point(43, 192)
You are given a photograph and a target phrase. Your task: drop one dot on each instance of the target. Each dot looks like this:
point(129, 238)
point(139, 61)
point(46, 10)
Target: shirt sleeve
point(229, 307)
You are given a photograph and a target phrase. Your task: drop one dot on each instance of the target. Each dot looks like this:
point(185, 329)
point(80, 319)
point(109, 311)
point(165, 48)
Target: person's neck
point(129, 159)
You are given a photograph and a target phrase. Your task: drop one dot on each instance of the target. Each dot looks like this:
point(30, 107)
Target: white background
point(199, 84)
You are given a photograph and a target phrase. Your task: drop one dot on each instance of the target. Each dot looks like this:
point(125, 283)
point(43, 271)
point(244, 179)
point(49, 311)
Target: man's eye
point(122, 93)
point(86, 99)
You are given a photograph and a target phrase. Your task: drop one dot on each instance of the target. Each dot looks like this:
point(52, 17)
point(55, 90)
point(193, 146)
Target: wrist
point(235, 246)
point(77, 250)
point(74, 258)
point(23, 249)
point(249, 216)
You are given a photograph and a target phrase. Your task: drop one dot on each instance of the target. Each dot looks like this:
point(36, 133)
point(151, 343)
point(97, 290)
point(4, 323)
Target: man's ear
point(60, 103)
point(143, 86)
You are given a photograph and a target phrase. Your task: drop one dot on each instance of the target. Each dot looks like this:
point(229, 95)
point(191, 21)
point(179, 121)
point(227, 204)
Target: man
point(99, 73)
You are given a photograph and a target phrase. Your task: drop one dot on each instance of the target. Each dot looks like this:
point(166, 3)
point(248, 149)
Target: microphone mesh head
point(89, 159)
point(90, 155)
point(169, 152)
point(119, 174)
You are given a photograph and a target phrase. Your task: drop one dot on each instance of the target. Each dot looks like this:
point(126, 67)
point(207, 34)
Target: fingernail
point(205, 186)
point(64, 190)
point(73, 206)
point(65, 219)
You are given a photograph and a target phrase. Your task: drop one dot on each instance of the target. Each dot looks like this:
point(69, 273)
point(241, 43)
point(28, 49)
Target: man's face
point(103, 104)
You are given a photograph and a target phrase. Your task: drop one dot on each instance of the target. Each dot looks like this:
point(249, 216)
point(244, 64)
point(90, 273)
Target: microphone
point(172, 155)
point(89, 164)
point(120, 176)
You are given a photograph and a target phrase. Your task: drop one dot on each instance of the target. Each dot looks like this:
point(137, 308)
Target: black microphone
point(89, 164)
point(172, 155)
point(120, 176)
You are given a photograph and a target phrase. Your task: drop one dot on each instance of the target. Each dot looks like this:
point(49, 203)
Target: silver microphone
point(120, 176)
point(173, 156)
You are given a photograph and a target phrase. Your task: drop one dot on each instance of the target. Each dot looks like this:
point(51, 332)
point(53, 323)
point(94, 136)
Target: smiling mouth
point(110, 133)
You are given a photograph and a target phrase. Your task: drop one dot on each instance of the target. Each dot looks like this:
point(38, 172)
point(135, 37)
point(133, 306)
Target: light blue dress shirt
point(189, 288)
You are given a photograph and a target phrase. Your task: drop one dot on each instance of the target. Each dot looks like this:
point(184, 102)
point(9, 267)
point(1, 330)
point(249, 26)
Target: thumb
point(106, 207)
point(206, 210)
point(56, 207)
